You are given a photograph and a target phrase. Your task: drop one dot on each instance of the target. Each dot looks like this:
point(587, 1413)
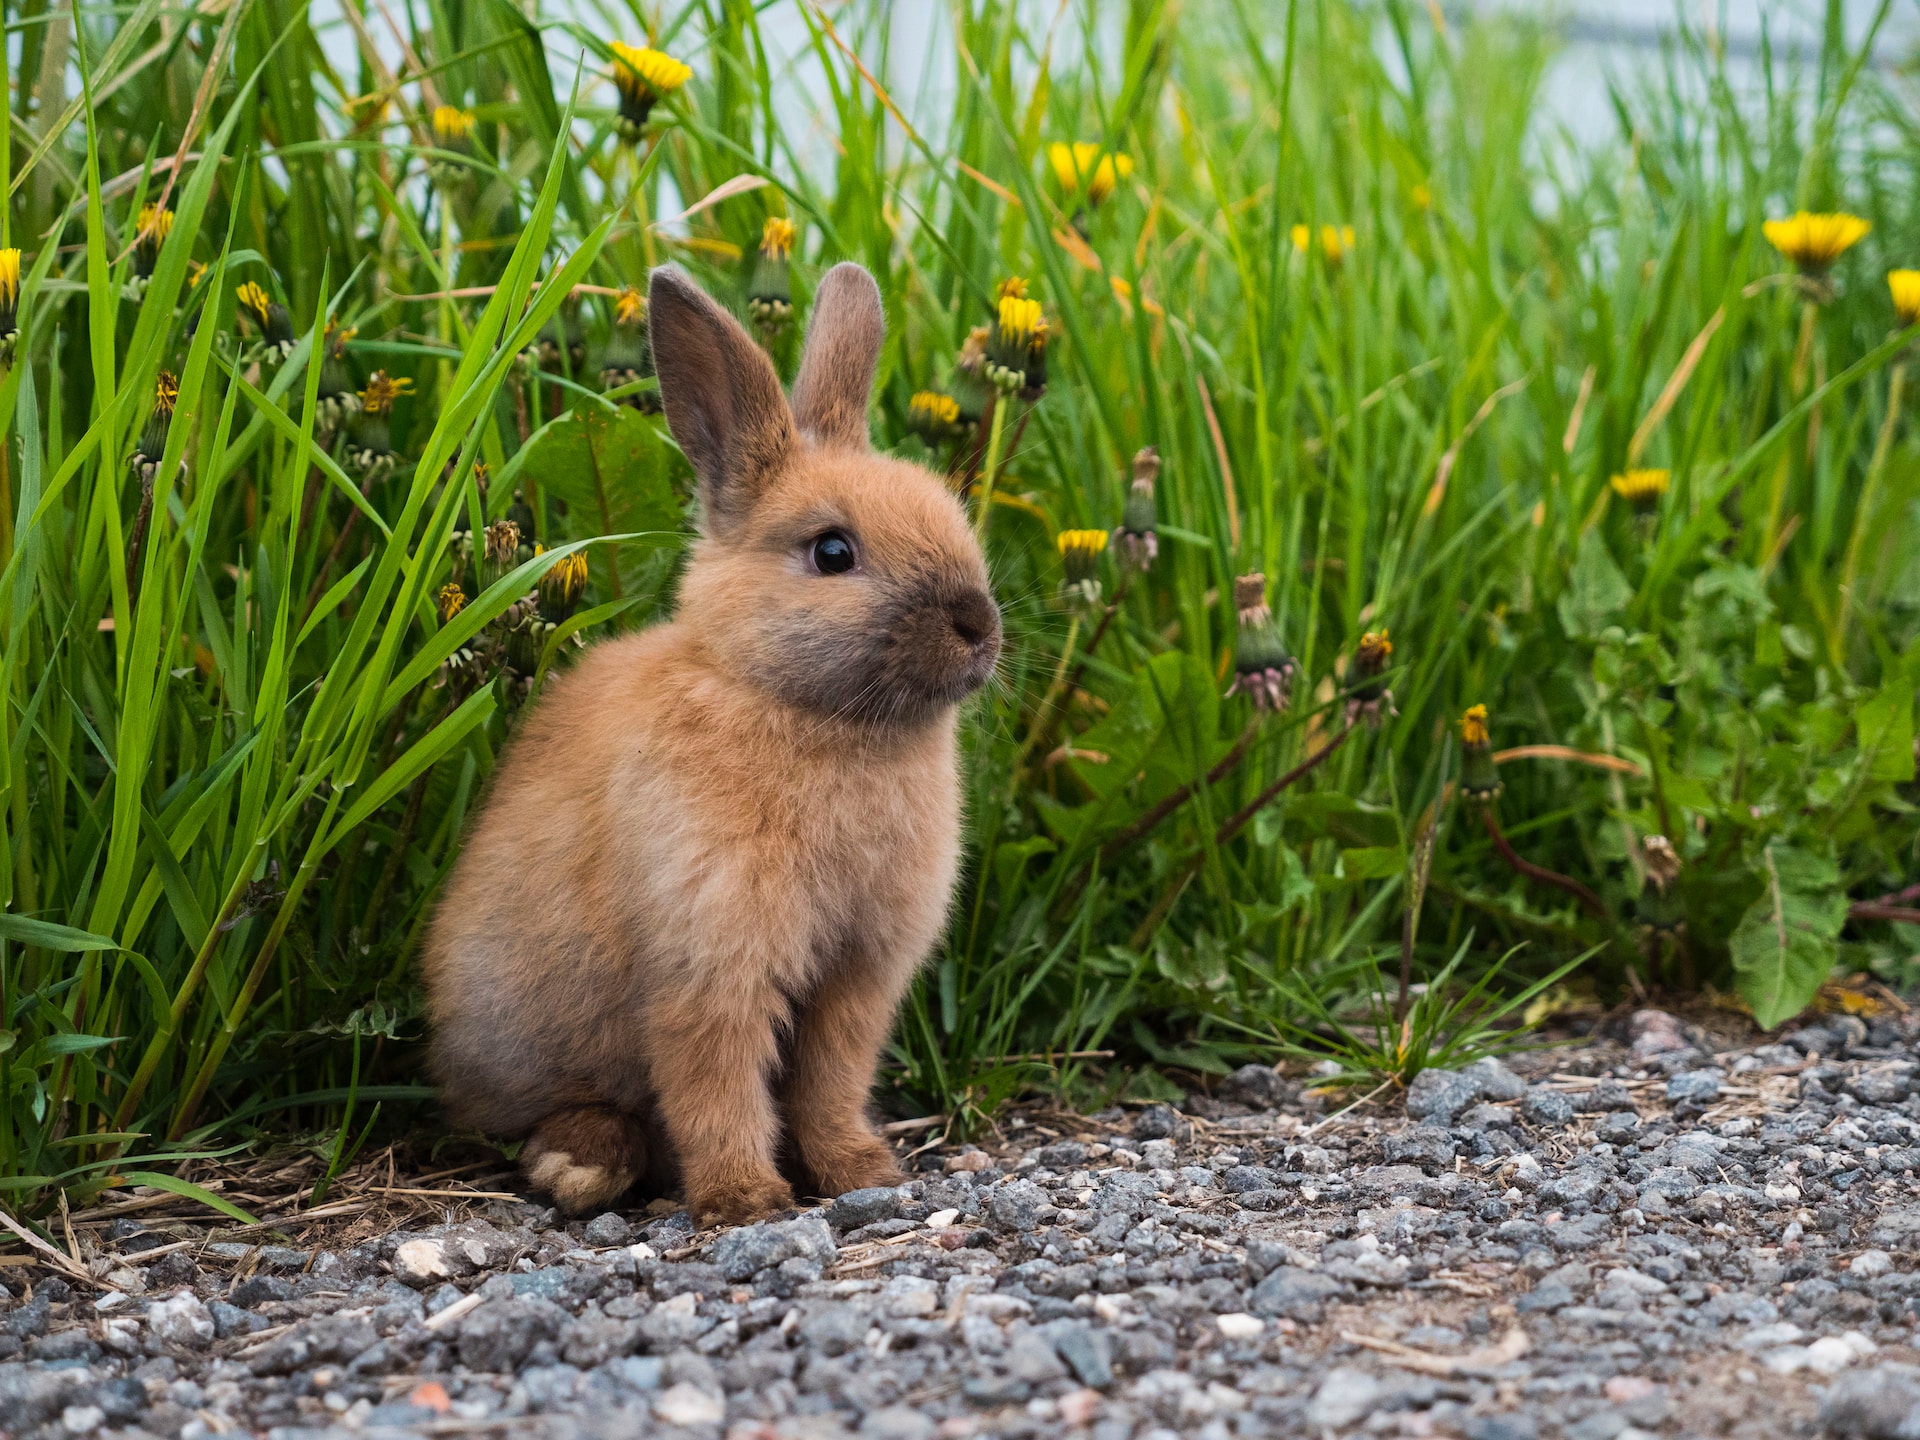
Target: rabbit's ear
point(836, 370)
point(721, 395)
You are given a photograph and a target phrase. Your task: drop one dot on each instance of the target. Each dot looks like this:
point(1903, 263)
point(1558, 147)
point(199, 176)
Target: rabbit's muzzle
point(932, 643)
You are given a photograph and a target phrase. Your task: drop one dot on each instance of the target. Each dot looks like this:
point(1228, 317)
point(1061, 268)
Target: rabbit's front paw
point(739, 1201)
point(861, 1163)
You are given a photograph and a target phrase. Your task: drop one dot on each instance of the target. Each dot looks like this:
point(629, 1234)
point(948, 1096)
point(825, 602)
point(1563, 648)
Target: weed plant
point(1323, 393)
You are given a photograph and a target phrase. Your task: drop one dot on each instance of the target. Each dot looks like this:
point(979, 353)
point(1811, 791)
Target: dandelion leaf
point(615, 474)
point(1786, 942)
point(1596, 590)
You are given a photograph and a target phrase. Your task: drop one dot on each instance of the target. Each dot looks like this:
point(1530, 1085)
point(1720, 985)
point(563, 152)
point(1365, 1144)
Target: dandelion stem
point(1863, 513)
point(1595, 905)
point(993, 463)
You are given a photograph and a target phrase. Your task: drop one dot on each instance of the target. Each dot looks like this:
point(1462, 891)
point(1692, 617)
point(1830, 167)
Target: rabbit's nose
point(975, 619)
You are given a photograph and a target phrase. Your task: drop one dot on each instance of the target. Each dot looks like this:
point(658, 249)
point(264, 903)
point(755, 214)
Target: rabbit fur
point(717, 849)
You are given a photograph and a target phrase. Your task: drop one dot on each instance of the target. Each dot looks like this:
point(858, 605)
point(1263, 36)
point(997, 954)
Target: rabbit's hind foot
point(584, 1157)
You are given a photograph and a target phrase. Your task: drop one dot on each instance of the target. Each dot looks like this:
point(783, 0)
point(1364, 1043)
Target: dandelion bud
point(970, 390)
point(270, 318)
point(155, 224)
point(1135, 538)
point(934, 417)
point(562, 586)
point(153, 436)
point(770, 292)
point(1642, 489)
point(1080, 556)
point(629, 356)
point(370, 451)
point(1370, 699)
point(1905, 288)
point(452, 131)
point(643, 76)
point(1262, 669)
point(1479, 780)
point(1016, 359)
point(503, 544)
point(337, 400)
point(9, 303)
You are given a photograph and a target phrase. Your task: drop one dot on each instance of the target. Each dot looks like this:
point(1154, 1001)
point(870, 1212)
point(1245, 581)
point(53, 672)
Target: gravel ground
point(1653, 1235)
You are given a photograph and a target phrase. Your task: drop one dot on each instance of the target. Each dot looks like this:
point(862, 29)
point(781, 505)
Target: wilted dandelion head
point(1374, 653)
point(1473, 727)
point(382, 390)
point(452, 126)
point(503, 542)
point(337, 336)
point(1082, 164)
point(166, 391)
point(1137, 537)
point(973, 351)
point(629, 306)
point(1250, 597)
point(776, 237)
point(449, 601)
point(643, 75)
point(1642, 489)
point(1905, 287)
point(1814, 241)
point(154, 226)
point(1663, 861)
point(1263, 670)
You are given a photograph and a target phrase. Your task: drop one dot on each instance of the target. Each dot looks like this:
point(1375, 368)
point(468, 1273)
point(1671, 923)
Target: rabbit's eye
point(833, 553)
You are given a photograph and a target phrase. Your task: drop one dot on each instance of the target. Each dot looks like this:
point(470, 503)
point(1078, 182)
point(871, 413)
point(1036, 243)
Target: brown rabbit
point(718, 849)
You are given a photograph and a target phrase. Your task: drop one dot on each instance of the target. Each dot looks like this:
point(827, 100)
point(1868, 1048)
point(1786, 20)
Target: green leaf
point(49, 936)
point(1596, 590)
point(1785, 945)
point(1373, 862)
point(615, 469)
point(187, 1190)
point(1885, 725)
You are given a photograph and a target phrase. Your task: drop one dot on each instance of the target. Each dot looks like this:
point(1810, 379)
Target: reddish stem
point(1537, 872)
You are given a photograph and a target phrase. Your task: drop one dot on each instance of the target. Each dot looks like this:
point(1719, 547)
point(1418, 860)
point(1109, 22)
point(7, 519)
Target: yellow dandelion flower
point(154, 227)
point(1083, 164)
point(776, 237)
point(1642, 489)
point(1019, 320)
point(166, 391)
point(1813, 242)
point(1084, 542)
point(643, 75)
point(1422, 196)
point(932, 415)
point(449, 601)
point(1013, 287)
point(1905, 285)
point(1473, 727)
point(1374, 652)
point(254, 301)
point(9, 279)
point(452, 125)
point(629, 306)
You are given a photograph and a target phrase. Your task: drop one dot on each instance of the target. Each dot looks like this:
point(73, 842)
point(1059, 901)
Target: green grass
point(235, 771)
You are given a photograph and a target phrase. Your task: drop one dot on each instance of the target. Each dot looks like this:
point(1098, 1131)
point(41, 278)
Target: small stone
point(1870, 1264)
point(1698, 1088)
point(1079, 1407)
point(1547, 1107)
point(1259, 1087)
point(1017, 1206)
point(603, 1232)
point(500, 1335)
point(1088, 1352)
point(1427, 1146)
point(864, 1207)
point(1618, 1127)
point(1439, 1095)
point(897, 1422)
point(1515, 1426)
point(1240, 1326)
point(82, 1419)
point(1157, 1122)
point(1294, 1293)
point(1497, 1082)
point(258, 1288)
point(1878, 1404)
point(740, 1254)
point(181, 1319)
point(1345, 1396)
point(688, 1404)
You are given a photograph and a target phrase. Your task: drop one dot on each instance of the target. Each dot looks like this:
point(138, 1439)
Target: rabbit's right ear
point(721, 394)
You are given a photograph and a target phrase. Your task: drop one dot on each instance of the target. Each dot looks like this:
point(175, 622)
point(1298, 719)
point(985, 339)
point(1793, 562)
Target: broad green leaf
point(616, 471)
point(1596, 591)
point(1785, 945)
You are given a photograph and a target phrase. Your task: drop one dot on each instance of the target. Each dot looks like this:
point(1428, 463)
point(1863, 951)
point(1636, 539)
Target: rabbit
point(717, 849)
